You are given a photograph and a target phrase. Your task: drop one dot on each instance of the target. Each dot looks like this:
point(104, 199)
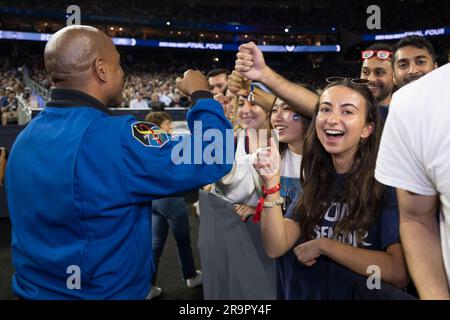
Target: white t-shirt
point(136, 104)
point(290, 176)
point(290, 164)
point(243, 184)
point(414, 153)
point(165, 99)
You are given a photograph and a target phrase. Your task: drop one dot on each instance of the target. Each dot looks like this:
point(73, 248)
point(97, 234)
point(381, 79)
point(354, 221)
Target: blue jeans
point(171, 213)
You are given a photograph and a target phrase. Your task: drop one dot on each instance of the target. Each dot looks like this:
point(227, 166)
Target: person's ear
point(100, 69)
point(368, 130)
point(435, 65)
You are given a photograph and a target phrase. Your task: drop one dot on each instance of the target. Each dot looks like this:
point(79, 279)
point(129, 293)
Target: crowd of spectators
point(11, 86)
point(150, 74)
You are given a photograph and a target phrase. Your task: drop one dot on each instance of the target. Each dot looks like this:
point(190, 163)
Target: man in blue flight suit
point(80, 182)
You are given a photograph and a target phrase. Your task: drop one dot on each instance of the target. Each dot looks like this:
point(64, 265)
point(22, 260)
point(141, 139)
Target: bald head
point(71, 52)
point(83, 58)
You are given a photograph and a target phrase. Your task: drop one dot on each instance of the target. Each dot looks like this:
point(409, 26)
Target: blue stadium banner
point(394, 36)
point(34, 36)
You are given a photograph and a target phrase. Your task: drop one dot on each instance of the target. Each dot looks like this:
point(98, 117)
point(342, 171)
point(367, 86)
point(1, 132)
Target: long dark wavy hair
point(358, 189)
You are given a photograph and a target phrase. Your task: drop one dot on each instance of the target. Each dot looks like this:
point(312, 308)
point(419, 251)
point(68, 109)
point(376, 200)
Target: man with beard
point(414, 57)
point(377, 68)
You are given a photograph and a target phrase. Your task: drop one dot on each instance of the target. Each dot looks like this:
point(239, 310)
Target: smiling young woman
point(344, 221)
point(291, 131)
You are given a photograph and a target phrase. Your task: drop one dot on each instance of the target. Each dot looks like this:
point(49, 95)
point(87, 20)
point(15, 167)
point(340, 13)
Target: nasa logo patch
point(149, 134)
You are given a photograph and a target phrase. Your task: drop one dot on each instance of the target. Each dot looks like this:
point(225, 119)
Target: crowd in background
point(152, 75)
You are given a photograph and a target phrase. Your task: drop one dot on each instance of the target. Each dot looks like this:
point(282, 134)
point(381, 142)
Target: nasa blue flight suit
point(79, 186)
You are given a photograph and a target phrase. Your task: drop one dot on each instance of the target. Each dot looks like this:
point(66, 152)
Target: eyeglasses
point(357, 81)
point(381, 54)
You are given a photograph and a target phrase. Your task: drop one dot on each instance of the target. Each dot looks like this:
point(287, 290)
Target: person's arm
point(391, 262)
point(156, 166)
point(419, 232)
point(279, 234)
point(250, 63)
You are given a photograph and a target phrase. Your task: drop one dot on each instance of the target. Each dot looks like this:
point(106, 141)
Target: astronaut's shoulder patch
point(149, 134)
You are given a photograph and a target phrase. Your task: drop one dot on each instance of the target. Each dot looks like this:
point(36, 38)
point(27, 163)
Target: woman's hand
point(308, 252)
point(267, 164)
point(244, 211)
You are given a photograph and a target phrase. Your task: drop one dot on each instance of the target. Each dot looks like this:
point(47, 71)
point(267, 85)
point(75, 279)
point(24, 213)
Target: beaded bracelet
point(260, 206)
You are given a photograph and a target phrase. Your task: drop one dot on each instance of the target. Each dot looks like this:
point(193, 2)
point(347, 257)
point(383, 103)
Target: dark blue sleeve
point(390, 220)
point(290, 213)
point(177, 165)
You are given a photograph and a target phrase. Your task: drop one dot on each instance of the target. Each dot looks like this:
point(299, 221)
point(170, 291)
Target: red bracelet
point(260, 206)
point(271, 190)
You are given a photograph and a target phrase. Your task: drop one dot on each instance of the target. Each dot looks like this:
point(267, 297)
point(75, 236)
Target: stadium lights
point(168, 23)
point(286, 29)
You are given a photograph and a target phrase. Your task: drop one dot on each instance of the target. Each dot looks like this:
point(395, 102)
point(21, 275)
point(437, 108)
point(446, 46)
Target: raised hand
point(268, 162)
point(250, 62)
point(238, 85)
point(193, 80)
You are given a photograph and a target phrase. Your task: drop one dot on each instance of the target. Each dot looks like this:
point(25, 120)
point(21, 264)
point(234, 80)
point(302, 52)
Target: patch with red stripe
point(149, 134)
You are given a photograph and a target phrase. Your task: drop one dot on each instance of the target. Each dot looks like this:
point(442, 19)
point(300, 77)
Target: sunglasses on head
point(380, 54)
point(358, 81)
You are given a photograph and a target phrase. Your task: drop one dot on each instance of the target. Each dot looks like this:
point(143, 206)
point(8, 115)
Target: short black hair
point(381, 46)
point(418, 42)
point(216, 72)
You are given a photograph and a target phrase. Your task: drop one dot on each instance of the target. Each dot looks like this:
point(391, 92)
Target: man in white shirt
point(165, 98)
point(139, 102)
point(414, 157)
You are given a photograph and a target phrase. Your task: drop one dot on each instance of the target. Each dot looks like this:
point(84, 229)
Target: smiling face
point(251, 116)
point(341, 122)
point(411, 63)
point(381, 78)
point(288, 124)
